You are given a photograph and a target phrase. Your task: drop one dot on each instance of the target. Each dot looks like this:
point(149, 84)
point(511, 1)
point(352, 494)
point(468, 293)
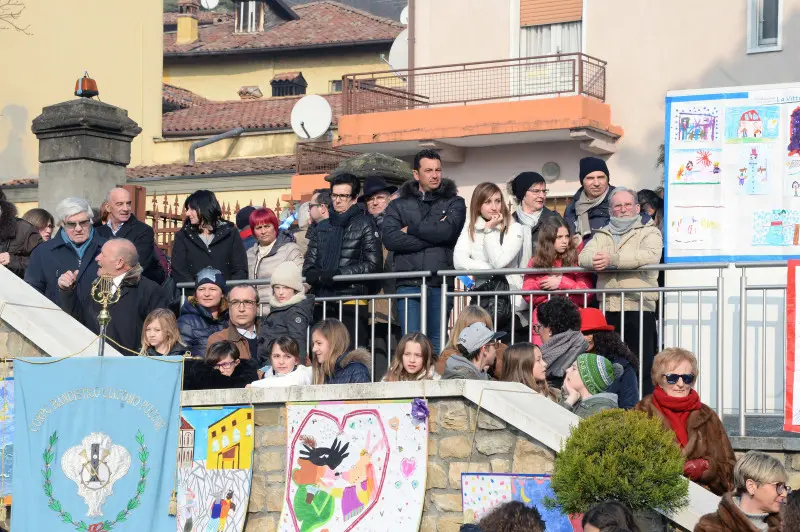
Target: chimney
point(187, 21)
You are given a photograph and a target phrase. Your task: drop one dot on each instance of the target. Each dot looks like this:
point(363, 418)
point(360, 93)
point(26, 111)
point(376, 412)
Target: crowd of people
point(277, 332)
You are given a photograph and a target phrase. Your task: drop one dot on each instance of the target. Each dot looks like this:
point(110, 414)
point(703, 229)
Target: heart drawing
point(408, 466)
point(336, 469)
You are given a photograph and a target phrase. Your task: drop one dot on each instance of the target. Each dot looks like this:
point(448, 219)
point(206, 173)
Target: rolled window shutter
point(539, 12)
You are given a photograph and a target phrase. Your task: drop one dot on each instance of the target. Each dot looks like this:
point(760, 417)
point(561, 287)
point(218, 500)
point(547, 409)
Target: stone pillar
point(84, 147)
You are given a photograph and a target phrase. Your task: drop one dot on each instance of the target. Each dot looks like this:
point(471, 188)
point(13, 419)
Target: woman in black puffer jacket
point(205, 313)
point(207, 240)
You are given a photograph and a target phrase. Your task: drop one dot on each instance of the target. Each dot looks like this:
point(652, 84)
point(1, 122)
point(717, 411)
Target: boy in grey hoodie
point(477, 345)
point(585, 383)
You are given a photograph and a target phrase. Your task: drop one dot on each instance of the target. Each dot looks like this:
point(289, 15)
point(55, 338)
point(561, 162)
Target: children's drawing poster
point(355, 466)
point(482, 492)
point(6, 436)
point(791, 420)
point(215, 465)
point(732, 174)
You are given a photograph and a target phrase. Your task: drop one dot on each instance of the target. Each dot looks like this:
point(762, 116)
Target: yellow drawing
point(230, 441)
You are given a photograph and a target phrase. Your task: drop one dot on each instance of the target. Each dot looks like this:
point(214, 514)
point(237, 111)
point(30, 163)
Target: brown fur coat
point(707, 439)
point(729, 518)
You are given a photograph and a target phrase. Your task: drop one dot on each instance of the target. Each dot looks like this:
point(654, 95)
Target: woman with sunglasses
point(704, 444)
point(759, 493)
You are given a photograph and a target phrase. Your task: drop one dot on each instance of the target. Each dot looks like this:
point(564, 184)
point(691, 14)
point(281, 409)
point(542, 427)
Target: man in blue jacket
point(73, 249)
point(421, 227)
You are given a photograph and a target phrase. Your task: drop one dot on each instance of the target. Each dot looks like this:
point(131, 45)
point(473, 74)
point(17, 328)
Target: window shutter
point(540, 12)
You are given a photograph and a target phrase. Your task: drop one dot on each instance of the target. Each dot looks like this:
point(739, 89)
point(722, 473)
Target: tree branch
point(10, 12)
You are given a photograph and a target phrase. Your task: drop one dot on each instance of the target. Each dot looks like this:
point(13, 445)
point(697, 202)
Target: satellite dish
point(404, 16)
point(398, 54)
point(551, 171)
point(311, 117)
point(209, 4)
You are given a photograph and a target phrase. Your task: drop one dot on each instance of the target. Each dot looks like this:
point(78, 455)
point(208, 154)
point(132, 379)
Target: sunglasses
point(672, 378)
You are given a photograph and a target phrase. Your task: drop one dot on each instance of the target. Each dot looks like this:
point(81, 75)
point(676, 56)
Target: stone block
point(276, 477)
point(489, 421)
point(433, 446)
point(796, 462)
point(450, 522)
point(794, 478)
point(455, 447)
point(494, 442)
point(437, 476)
point(532, 458)
point(453, 415)
point(456, 468)
point(270, 438)
point(433, 417)
point(267, 461)
point(428, 524)
point(260, 523)
point(268, 416)
point(500, 465)
point(258, 494)
point(275, 499)
point(447, 502)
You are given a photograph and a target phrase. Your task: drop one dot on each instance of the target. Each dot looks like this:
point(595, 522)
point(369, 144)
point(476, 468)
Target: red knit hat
point(593, 319)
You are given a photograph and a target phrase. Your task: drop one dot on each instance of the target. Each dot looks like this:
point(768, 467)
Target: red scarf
point(677, 410)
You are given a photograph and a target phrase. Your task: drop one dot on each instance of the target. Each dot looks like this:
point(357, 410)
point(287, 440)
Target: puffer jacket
point(261, 267)
point(196, 324)
point(591, 405)
point(488, 251)
point(640, 246)
point(730, 518)
point(225, 253)
point(434, 221)
point(178, 350)
point(626, 386)
point(291, 319)
point(362, 253)
point(352, 368)
point(707, 439)
point(18, 238)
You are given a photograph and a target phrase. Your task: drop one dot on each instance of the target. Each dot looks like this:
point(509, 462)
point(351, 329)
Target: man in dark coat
point(346, 243)
point(589, 210)
point(138, 296)
point(123, 224)
point(421, 227)
point(18, 238)
point(72, 249)
point(243, 225)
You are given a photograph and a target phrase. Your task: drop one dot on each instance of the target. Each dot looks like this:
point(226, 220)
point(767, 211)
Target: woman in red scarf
point(699, 432)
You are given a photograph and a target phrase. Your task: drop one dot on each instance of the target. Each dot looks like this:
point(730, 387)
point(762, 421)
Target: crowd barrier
point(694, 317)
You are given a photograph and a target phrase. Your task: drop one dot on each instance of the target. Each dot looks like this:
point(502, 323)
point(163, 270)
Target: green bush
point(620, 455)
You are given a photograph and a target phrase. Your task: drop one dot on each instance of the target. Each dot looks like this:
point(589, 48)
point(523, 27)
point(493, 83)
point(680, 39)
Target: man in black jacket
point(346, 243)
point(139, 296)
point(422, 226)
point(123, 224)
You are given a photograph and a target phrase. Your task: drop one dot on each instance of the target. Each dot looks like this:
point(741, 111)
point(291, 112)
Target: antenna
point(398, 54)
point(311, 117)
point(209, 4)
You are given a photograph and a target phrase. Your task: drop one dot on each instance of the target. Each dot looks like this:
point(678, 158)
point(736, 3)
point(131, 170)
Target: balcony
point(512, 101)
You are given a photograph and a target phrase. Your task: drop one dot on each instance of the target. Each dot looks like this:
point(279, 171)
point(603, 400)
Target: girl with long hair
point(160, 335)
point(413, 360)
point(555, 249)
point(523, 363)
point(332, 364)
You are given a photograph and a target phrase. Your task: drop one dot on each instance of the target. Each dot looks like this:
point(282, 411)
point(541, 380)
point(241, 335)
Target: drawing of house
point(185, 444)
point(750, 124)
point(230, 441)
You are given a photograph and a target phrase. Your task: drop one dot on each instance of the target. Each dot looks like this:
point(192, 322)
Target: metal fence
point(694, 317)
point(319, 157)
point(461, 84)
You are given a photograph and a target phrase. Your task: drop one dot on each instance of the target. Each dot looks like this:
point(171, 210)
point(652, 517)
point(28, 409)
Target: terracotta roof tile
point(286, 76)
point(20, 183)
point(173, 97)
point(323, 23)
point(203, 18)
point(279, 163)
point(216, 117)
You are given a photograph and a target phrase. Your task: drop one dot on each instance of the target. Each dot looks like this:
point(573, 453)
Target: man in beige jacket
point(626, 243)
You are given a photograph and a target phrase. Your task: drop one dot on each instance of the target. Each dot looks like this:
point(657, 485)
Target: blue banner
point(95, 443)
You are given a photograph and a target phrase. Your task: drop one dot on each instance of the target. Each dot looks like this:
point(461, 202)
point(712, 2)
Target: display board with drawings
point(732, 174)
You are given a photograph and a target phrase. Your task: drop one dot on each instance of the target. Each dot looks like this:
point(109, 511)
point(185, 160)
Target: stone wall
point(498, 448)
point(786, 450)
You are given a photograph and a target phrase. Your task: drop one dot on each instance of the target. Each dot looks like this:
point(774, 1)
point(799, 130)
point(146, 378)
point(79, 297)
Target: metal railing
point(319, 157)
point(460, 84)
point(693, 317)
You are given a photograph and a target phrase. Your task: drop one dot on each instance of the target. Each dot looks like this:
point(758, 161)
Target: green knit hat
point(597, 372)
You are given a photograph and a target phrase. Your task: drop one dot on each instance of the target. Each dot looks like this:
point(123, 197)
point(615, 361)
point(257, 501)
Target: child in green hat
point(585, 384)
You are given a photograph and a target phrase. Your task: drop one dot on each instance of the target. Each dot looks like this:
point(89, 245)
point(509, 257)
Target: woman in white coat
point(490, 240)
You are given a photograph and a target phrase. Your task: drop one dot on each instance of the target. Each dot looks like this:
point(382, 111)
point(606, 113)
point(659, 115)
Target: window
point(550, 39)
point(249, 16)
point(288, 84)
point(336, 85)
point(288, 90)
point(764, 25)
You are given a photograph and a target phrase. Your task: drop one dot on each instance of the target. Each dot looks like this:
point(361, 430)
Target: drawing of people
point(689, 167)
point(189, 507)
point(795, 187)
point(216, 511)
point(227, 506)
point(716, 168)
point(361, 476)
point(313, 505)
point(742, 176)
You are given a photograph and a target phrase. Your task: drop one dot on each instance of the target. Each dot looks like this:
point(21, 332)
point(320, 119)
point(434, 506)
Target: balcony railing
point(319, 157)
point(508, 79)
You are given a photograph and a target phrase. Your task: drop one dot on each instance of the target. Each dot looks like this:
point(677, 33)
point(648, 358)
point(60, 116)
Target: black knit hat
point(592, 164)
point(209, 275)
point(523, 182)
point(243, 217)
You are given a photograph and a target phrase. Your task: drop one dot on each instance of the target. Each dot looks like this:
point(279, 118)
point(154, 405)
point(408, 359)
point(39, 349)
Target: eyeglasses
point(312, 205)
point(226, 365)
point(539, 191)
point(73, 225)
point(341, 197)
point(247, 303)
point(672, 378)
point(780, 487)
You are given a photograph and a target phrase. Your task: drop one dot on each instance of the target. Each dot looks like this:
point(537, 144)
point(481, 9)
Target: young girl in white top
point(285, 368)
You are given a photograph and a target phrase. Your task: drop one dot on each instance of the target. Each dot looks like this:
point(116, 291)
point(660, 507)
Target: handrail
point(364, 278)
point(577, 269)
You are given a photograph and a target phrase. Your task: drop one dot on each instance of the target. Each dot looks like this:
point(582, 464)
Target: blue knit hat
point(210, 275)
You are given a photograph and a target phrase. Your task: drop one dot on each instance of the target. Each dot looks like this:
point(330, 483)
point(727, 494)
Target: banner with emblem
point(95, 443)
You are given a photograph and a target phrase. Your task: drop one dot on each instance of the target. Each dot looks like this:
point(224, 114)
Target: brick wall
point(499, 448)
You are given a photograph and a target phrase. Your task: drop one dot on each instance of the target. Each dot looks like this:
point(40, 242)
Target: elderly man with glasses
point(72, 252)
point(243, 325)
